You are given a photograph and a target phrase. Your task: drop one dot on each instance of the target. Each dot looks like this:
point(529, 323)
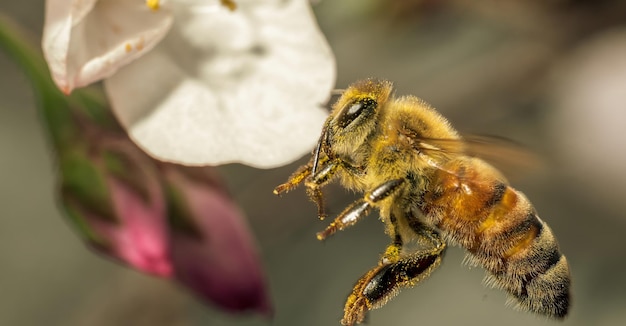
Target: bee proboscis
point(416, 170)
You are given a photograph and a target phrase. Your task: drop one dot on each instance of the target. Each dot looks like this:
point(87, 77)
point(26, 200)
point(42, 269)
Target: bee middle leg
point(360, 208)
point(396, 270)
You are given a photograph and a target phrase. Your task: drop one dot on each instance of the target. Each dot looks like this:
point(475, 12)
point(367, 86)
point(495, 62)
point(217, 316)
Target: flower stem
point(58, 111)
point(52, 103)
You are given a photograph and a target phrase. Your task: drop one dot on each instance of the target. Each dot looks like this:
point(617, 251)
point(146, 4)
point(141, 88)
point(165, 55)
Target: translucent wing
point(511, 158)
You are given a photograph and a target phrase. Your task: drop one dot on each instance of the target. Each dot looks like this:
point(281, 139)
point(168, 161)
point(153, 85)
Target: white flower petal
point(244, 86)
point(85, 41)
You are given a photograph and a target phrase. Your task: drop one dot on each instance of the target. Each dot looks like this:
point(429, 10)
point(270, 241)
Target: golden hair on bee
point(354, 114)
point(414, 168)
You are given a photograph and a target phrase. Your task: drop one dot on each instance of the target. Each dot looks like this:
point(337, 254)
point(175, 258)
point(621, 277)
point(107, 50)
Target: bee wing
point(510, 157)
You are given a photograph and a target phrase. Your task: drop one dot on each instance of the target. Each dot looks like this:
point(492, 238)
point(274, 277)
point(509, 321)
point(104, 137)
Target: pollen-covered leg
point(294, 180)
point(315, 195)
point(396, 269)
point(360, 208)
point(301, 174)
point(384, 281)
point(348, 217)
point(313, 183)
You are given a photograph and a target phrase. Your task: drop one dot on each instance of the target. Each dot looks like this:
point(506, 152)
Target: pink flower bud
point(112, 192)
point(139, 238)
point(213, 252)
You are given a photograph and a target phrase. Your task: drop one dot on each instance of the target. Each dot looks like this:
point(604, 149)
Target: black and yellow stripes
point(536, 273)
point(475, 208)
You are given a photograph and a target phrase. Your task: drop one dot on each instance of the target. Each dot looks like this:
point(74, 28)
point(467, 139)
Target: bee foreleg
point(316, 181)
point(360, 208)
point(312, 182)
point(301, 174)
point(294, 180)
point(384, 281)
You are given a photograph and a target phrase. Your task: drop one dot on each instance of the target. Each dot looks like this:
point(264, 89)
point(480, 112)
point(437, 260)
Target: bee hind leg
point(395, 271)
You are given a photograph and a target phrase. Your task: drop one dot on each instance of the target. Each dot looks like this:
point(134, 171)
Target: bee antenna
point(337, 91)
point(318, 149)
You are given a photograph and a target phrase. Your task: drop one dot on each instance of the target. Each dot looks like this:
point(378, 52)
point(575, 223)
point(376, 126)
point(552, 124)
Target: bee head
point(355, 114)
point(353, 119)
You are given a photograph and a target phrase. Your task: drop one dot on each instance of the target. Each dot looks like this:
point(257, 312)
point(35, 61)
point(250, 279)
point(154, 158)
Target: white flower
point(87, 40)
point(196, 83)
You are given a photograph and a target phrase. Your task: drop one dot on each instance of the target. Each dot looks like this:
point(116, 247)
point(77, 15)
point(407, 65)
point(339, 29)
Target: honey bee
point(417, 171)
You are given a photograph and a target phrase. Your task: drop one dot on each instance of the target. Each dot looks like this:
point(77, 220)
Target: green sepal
point(76, 217)
point(178, 213)
point(134, 172)
point(85, 182)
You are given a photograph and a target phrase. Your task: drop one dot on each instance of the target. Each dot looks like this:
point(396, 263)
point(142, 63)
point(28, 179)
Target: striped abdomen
point(472, 205)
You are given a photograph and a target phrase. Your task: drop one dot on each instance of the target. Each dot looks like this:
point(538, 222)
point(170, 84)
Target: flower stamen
point(154, 5)
point(230, 4)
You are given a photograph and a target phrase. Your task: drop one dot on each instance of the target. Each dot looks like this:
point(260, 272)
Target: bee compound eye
point(356, 109)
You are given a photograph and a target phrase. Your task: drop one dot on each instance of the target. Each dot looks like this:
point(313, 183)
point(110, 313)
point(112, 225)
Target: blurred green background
point(535, 71)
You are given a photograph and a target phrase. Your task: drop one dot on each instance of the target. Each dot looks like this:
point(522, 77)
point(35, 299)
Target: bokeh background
point(548, 74)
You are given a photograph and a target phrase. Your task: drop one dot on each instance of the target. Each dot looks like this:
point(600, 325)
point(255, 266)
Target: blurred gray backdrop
point(516, 69)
